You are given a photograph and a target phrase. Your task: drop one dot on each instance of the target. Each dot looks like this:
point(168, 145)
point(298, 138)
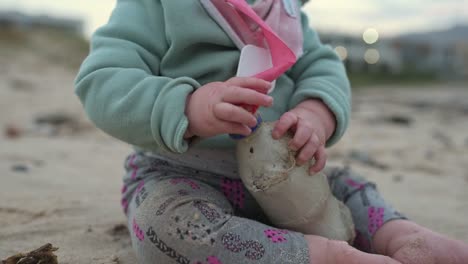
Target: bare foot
point(410, 243)
point(325, 251)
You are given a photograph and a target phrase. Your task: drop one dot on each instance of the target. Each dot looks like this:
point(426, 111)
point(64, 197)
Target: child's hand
point(312, 124)
point(214, 109)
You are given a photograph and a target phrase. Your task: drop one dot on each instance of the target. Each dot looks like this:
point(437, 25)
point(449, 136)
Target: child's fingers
point(286, 121)
point(253, 83)
point(233, 128)
point(239, 95)
point(308, 150)
point(320, 161)
point(235, 114)
point(302, 136)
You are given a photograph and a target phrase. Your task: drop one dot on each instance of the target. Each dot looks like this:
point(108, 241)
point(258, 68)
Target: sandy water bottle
point(290, 197)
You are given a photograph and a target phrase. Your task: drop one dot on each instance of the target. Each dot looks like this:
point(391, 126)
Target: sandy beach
point(61, 177)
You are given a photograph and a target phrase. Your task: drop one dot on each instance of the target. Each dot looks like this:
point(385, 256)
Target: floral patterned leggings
point(180, 215)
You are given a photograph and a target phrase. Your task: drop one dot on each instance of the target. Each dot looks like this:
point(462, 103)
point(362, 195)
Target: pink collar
point(272, 24)
point(284, 18)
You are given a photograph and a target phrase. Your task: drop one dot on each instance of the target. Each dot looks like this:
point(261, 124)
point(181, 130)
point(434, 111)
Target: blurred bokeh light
point(370, 36)
point(372, 56)
point(342, 52)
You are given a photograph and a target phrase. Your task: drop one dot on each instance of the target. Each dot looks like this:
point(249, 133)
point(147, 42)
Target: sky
point(388, 17)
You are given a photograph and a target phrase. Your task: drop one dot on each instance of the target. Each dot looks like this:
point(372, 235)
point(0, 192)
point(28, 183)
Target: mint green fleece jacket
point(153, 53)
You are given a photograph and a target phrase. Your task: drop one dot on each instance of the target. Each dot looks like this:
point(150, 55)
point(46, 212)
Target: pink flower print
point(375, 218)
point(124, 204)
point(191, 183)
point(354, 184)
point(133, 166)
point(137, 231)
point(275, 235)
point(124, 189)
point(140, 186)
point(213, 260)
point(210, 260)
point(234, 191)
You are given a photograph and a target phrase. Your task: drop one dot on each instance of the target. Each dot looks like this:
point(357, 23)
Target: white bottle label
point(254, 60)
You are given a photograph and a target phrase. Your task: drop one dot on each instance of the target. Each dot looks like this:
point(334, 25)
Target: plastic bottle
point(290, 197)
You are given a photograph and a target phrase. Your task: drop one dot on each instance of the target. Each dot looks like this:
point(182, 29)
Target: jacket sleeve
point(119, 83)
point(319, 73)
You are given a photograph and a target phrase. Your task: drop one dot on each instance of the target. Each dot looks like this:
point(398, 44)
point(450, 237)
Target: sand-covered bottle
point(290, 197)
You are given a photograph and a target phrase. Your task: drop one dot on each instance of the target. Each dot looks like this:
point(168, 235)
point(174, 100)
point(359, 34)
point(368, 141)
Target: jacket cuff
point(169, 122)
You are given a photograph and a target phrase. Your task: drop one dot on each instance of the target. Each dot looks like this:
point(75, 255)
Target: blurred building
point(359, 56)
point(13, 19)
point(441, 53)
point(461, 52)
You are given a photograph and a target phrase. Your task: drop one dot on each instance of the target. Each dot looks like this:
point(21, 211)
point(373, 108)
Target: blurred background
point(60, 177)
point(415, 40)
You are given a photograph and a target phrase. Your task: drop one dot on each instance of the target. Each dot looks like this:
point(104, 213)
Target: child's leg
point(183, 220)
point(401, 239)
point(369, 210)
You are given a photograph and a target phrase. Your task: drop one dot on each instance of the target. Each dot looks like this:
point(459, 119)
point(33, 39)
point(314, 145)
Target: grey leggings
point(177, 214)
